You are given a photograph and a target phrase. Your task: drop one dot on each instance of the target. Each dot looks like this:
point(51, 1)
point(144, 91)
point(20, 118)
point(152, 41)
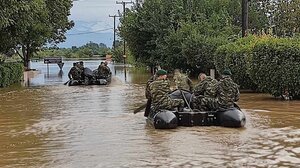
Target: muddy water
point(48, 124)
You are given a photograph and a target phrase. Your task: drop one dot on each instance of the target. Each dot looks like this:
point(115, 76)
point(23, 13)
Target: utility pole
point(245, 7)
point(114, 43)
point(124, 3)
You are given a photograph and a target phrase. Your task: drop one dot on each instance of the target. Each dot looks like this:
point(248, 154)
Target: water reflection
point(53, 125)
point(51, 78)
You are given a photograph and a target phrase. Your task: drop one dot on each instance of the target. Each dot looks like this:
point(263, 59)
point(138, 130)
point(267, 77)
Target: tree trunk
point(26, 57)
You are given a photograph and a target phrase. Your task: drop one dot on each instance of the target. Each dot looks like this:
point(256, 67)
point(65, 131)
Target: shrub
point(199, 51)
point(275, 66)
point(236, 57)
point(10, 73)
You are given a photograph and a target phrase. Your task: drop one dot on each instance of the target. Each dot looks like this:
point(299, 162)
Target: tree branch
point(19, 54)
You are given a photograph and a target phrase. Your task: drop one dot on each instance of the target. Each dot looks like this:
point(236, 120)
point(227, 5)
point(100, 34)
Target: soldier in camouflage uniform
point(159, 89)
point(101, 69)
point(148, 95)
point(147, 90)
point(205, 93)
point(81, 68)
point(206, 87)
point(74, 72)
point(228, 91)
point(182, 81)
point(106, 70)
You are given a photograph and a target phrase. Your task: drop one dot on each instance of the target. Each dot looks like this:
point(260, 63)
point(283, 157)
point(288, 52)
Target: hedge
point(10, 73)
point(236, 57)
point(275, 66)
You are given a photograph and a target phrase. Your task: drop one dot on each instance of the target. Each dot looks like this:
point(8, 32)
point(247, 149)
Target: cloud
point(92, 16)
point(94, 10)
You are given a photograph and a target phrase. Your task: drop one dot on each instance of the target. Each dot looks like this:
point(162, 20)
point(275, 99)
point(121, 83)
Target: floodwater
point(47, 124)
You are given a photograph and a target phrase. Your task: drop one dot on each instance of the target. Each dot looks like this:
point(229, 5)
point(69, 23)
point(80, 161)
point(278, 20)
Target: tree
point(33, 24)
point(160, 31)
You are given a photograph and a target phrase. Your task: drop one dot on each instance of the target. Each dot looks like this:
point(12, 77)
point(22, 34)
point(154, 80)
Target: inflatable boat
point(91, 78)
point(168, 119)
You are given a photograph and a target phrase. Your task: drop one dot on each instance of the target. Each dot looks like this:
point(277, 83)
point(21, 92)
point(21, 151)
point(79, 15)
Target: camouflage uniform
point(183, 82)
point(227, 93)
point(207, 87)
point(205, 92)
point(100, 70)
point(75, 73)
point(148, 95)
point(81, 70)
point(147, 90)
point(106, 71)
point(159, 90)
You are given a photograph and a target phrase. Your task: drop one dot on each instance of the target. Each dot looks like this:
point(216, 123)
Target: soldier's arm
point(147, 90)
point(199, 89)
point(176, 81)
point(69, 74)
point(190, 83)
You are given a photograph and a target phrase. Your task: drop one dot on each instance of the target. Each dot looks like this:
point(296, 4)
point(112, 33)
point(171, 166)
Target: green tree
point(164, 31)
point(33, 24)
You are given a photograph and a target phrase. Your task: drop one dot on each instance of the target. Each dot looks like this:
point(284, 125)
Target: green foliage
point(86, 51)
point(162, 32)
point(280, 18)
point(185, 33)
point(275, 66)
point(199, 50)
point(285, 17)
point(236, 57)
point(118, 54)
point(33, 23)
point(95, 49)
point(10, 73)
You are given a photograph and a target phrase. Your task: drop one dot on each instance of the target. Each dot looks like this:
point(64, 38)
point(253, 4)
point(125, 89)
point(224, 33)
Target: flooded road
point(48, 124)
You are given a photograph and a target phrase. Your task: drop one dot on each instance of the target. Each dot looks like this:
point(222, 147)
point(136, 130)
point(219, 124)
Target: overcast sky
point(92, 22)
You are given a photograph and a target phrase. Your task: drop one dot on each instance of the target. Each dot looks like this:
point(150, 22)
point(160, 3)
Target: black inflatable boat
point(91, 78)
point(166, 119)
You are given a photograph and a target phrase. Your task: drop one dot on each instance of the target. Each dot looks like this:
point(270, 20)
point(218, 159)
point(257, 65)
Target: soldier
point(101, 69)
point(106, 70)
point(81, 68)
point(205, 93)
point(147, 90)
point(227, 91)
point(148, 94)
point(159, 89)
point(74, 72)
point(182, 81)
point(206, 86)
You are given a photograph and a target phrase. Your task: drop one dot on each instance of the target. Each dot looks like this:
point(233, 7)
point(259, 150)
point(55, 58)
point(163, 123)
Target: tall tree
point(159, 31)
point(33, 24)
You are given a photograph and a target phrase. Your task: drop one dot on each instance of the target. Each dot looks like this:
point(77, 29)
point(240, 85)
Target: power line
point(89, 32)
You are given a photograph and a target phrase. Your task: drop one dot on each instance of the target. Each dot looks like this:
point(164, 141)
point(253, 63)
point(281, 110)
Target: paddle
point(237, 106)
point(140, 108)
point(67, 82)
point(184, 98)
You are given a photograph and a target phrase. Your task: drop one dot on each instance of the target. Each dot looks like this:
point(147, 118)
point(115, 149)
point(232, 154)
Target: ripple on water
point(93, 126)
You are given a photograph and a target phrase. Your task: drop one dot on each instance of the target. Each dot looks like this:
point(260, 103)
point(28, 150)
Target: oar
point(237, 106)
point(184, 98)
point(140, 108)
point(67, 82)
